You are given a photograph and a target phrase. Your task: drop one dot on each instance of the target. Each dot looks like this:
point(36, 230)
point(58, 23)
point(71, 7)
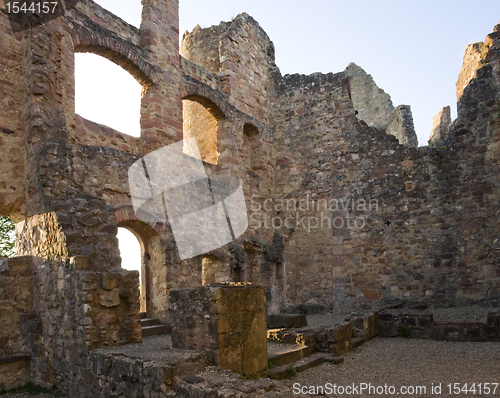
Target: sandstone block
point(226, 318)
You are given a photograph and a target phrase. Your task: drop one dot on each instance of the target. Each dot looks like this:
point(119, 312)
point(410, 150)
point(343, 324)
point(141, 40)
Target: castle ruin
point(345, 211)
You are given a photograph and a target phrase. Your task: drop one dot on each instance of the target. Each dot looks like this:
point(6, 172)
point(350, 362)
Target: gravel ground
point(400, 362)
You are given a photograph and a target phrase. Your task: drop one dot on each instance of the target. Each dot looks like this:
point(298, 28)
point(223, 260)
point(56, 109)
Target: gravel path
point(400, 362)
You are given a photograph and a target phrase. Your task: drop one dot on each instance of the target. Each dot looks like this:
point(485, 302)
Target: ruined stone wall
point(101, 309)
point(95, 134)
point(82, 299)
point(337, 209)
point(417, 214)
point(472, 60)
point(16, 309)
point(401, 126)
point(226, 319)
point(12, 113)
point(243, 56)
point(201, 46)
point(307, 137)
point(440, 125)
point(373, 104)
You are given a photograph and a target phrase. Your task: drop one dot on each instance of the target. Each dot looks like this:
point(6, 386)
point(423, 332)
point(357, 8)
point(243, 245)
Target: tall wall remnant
point(440, 125)
point(342, 215)
point(374, 106)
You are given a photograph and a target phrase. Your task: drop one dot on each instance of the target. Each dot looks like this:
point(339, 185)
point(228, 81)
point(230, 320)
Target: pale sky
point(413, 49)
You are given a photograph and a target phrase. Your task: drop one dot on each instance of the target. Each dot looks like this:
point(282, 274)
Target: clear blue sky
point(413, 49)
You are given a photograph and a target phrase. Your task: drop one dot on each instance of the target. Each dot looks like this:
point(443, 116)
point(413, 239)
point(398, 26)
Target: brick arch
point(208, 97)
point(125, 217)
point(209, 105)
point(116, 50)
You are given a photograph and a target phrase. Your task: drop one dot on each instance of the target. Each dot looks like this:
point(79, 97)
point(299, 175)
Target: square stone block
point(229, 319)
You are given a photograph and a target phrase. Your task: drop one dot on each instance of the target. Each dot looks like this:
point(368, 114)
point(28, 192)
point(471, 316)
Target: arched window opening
point(131, 254)
point(200, 123)
point(251, 146)
point(7, 238)
point(213, 270)
point(130, 13)
point(107, 94)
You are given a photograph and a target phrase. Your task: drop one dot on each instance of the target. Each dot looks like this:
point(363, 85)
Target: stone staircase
point(152, 326)
point(287, 358)
point(294, 359)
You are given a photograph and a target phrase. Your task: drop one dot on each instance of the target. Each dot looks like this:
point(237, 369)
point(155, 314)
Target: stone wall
point(440, 126)
point(243, 56)
point(373, 104)
point(401, 126)
point(16, 313)
point(12, 114)
point(472, 61)
point(201, 46)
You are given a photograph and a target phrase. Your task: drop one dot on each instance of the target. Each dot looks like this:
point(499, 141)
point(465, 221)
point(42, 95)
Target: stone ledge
point(420, 325)
point(15, 358)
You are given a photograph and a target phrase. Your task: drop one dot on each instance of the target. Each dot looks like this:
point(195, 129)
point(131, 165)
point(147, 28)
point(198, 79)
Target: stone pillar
point(228, 319)
point(161, 105)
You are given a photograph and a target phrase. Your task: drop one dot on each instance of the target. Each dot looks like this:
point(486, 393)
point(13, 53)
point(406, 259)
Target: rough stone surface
point(286, 321)
point(373, 104)
point(401, 126)
point(472, 61)
point(17, 319)
point(226, 319)
point(440, 126)
point(419, 324)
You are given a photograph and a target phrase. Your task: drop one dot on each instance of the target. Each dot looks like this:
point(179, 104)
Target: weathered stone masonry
point(345, 210)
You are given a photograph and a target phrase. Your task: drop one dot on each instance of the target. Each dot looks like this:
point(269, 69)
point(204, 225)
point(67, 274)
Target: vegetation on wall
point(7, 237)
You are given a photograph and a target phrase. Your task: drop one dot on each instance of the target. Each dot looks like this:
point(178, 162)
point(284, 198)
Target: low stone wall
point(137, 371)
point(420, 325)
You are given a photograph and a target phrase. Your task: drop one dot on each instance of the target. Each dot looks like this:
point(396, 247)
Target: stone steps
point(286, 357)
point(152, 327)
point(291, 369)
point(288, 362)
